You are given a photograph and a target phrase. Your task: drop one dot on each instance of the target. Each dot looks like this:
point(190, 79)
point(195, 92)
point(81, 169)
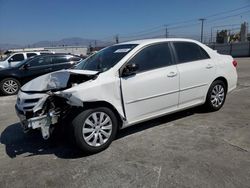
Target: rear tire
point(216, 96)
point(95, 129)
point(9, 86)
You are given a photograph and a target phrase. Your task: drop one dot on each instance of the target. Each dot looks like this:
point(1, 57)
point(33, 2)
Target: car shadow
point(18, 143)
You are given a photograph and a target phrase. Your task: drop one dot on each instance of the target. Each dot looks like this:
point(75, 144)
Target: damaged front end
point(52, 106)
point(46, 114)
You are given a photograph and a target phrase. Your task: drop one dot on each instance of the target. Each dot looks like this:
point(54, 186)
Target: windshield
point(105, 59)
point(6, 57)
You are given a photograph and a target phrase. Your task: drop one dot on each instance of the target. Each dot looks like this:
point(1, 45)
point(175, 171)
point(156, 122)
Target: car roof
point(150, 41)
point(57, 54)
point(29, 52)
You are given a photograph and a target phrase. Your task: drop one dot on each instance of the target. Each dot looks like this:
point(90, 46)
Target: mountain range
point(73, 41)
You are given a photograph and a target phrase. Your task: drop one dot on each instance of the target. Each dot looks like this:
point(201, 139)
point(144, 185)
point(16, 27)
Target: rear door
point(36, 67)
point(196, 70)
point(153, 90)
point(61, 62)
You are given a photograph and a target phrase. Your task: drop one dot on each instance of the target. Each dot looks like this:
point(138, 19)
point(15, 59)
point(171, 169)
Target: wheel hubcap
point(218, 95)
point(97, 129)
point(10, 86)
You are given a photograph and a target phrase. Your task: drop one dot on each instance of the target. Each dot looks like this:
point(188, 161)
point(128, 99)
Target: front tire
point(216, 96)
point(95, 129)
point(9, 86)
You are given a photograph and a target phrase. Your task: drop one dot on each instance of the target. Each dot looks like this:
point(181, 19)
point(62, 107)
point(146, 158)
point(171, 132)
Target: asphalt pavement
point(186, 149)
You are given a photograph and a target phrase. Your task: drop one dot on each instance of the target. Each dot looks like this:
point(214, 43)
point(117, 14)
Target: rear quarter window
point(31, 54)
point(60, 59)
point(188, 51)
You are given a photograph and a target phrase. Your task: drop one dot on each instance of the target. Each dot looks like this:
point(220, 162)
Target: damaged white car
point(125, 84)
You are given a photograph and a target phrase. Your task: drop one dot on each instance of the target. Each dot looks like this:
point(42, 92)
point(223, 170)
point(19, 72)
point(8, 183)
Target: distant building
point(76, 50)
point(224, 36)
point(243, 32)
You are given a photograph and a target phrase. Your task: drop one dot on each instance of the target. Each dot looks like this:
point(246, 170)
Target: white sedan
point(125, 84)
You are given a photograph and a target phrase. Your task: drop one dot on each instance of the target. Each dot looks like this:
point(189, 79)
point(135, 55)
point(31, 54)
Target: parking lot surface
point(186, 149)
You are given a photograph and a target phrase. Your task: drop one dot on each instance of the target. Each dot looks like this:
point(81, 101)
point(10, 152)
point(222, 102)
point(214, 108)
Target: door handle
point(209, 66)
point(172, 74)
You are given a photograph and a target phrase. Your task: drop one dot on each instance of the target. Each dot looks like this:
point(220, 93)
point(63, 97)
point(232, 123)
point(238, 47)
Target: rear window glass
point(188, 51)
point(31, 54)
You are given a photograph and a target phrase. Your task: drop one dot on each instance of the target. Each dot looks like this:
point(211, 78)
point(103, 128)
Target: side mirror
point(130, 69)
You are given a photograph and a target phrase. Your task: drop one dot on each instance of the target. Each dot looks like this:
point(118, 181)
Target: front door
point(153, 90)
point(37, 67)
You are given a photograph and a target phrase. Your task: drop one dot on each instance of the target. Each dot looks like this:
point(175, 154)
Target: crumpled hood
point(56, 80)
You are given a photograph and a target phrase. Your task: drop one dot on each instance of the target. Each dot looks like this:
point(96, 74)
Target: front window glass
point(40, 61)
point(153, 57)
point(17, 57)
point(107, 58)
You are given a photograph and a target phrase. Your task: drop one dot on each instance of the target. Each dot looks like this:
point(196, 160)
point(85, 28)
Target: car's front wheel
point(9, 86)
point(216, 95)
point(95, 129)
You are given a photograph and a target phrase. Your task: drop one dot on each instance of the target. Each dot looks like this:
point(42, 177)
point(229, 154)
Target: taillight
point(235, 63)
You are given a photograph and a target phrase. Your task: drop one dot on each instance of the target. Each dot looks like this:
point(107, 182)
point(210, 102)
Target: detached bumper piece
point(48, 111)
point(43, 123)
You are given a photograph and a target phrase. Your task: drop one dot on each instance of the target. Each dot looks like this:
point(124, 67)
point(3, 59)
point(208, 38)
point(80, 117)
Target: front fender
point(101, 89)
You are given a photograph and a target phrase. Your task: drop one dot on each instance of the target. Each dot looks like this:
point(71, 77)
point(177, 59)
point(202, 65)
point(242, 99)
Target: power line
point(140, 35)
point(229, 16)
point(209, 16)
point(190, 25)
point(184, 26)
point(228, 25)
point(146, 30)
point(156, 29)
point(225, 12)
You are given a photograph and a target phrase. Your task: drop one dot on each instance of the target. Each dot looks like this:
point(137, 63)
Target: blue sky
point(28, 21)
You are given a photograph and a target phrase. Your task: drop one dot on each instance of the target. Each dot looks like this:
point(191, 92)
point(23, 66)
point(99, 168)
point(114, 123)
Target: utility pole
point(117, 39)
point(202, 22)
point(166, 34)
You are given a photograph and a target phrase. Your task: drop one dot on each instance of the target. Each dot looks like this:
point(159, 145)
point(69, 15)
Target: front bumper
point(42, 122)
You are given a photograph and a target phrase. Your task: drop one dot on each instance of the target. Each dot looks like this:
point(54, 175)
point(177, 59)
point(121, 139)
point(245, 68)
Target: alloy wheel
point(10, 87)
point(217, 96)
point(97, 129)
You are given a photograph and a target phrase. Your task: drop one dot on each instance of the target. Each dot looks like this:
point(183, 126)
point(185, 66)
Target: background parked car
point(13, 77)
point(14, 58)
